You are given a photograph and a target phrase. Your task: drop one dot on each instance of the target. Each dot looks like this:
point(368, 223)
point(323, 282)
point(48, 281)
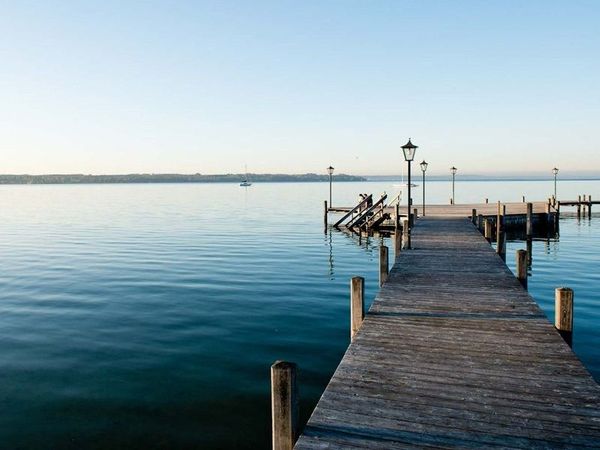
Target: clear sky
point(294, 86)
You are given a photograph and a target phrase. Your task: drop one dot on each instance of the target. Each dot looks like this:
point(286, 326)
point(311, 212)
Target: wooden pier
point(455, 353)
point(370, 215)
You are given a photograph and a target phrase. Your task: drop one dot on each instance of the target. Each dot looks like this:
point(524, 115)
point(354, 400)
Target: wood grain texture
point(284, 405)
point(455, 353)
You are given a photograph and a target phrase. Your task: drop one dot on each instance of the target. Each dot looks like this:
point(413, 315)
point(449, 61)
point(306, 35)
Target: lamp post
point(409, 150)
point(330, 172)
point(555, 172)
point(423, 169)
point(453, 170)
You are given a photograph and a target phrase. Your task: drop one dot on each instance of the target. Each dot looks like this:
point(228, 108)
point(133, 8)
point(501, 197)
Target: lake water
point(147, 316)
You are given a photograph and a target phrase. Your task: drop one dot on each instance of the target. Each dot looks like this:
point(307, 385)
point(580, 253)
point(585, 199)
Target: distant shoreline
point(170, 178)
point(257, 178)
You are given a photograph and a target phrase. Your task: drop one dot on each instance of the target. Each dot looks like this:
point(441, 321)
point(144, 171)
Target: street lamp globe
point(424, 166)
point(555, 171)
point(453, 170)
point(409, 150)
point(330, 170)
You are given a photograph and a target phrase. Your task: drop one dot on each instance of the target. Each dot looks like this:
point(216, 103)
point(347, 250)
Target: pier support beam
point(325, 212)
point(589, 207)
point(500, 236)
point(474, 216)
point(284, 405)
point(522, 267)
point(563, 313)
point(383, 264)
point(529, 226)
point(488, 229)
point(357, 304)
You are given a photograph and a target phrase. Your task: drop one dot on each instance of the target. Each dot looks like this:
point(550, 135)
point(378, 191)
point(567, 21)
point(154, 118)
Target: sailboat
point(246, 183)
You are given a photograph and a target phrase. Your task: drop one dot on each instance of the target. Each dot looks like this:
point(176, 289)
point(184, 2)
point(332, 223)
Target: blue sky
point(288, 86)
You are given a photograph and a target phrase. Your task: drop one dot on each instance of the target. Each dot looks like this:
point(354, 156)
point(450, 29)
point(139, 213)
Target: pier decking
point(455, 353)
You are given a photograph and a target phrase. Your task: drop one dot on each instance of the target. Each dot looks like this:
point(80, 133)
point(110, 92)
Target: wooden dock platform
point(455, 353)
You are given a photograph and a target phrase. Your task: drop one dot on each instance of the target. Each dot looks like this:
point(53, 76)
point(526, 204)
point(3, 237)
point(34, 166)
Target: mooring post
point(522, 267)
point(529, 225)
point(383, 264)
point(488, 229)
point(523, 199)
point(415, 215)
point(284, 405)
point(405, 233)
point(486, 200)
point(325, 215)
point(474, 216)
point(480, 222)
point(357, 304)
point(563, 313)
point(397, 242)
point(549, 218)
point(500, 236)
point(529, 252)
point(499, 219)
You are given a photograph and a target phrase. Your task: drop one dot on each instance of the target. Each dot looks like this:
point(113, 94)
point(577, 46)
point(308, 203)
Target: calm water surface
point(147, 316)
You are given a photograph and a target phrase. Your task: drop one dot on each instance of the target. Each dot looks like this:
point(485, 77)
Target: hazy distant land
point(169, 178)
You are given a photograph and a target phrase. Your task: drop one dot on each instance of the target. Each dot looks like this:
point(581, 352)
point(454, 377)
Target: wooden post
point(529, 252)
point(488, 229)
point(523, 199)
point(589, 207)
point(563, 313)
point(357, 304)
point(500, 237)
point(284, 405)
point(397, 222)
point(325, 215)
point(501, 245)
point(415, 215)
point(584, 205)
point(383, 264)
point(487, 200)
point(579, 207)
point(499, 219)
point(405, 233)
point(474, 216)
point(529, 226)
point(480, 222)
point(522, 267)
point(397, 242)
